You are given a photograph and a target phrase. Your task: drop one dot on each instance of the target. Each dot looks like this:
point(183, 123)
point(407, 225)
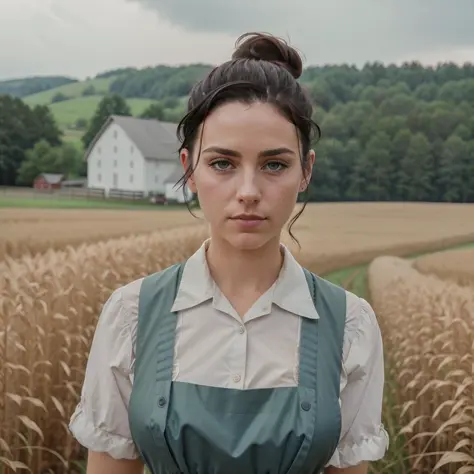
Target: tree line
point(393, 145)
point(388, 132)
point(32, 143)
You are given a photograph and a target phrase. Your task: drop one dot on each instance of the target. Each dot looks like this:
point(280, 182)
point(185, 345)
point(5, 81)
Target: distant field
point(455, 265)
point(338, 236)
point(332, 236)
point(28, 231)
point(71, 90)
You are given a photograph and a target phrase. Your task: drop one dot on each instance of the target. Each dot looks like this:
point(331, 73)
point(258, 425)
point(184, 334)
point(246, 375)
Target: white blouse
point(215, 347)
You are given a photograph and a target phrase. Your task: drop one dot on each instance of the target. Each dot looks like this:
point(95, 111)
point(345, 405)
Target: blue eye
point(275, 166)
point(221, 165)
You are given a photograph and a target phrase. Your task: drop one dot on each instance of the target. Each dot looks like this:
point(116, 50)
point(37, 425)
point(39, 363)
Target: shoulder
point(127, 296)
point(118, 318)
point(120, 311)
point(362, 336)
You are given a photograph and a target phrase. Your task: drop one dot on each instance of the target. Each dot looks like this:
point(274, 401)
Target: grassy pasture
point(68, 112)
point(31, 201)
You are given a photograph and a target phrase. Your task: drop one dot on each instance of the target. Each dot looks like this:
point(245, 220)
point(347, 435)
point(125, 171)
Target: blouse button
point(236, 378)
point(162, 401)
point(241, 329)
point(305, 406)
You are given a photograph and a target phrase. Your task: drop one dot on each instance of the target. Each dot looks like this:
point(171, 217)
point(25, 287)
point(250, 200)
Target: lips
point(248, 217)
point(248, 222)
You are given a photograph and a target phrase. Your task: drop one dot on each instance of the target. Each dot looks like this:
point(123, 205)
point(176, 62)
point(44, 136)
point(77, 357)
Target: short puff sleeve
point(363, 437)
point(100, 420)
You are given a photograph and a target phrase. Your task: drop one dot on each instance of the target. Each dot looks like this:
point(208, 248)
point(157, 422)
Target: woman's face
point(249, 173)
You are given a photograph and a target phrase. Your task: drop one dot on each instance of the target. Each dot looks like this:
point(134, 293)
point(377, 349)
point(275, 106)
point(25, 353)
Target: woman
point(237, 361)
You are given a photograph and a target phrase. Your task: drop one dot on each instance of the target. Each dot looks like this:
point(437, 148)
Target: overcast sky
point(81, 38)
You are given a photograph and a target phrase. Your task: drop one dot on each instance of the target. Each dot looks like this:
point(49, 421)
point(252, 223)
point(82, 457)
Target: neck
point(241, 271)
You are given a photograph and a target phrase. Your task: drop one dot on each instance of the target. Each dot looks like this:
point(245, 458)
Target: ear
point(307, 171)
point(186, 162)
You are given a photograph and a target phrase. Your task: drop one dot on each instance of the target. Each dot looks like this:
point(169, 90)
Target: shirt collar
point(290, 292)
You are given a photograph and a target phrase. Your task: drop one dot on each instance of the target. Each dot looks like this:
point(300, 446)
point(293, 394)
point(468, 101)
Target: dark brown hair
point(263, 68)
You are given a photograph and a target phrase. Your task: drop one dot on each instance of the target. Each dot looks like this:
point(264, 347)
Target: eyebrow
point(264, 153)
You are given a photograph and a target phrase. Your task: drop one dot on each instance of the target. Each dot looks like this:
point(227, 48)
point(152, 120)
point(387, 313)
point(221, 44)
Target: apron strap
point(156, 322)
point(322, 339)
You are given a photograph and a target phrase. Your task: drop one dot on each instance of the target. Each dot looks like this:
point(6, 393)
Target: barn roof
point(156, 140)
point(52, 178)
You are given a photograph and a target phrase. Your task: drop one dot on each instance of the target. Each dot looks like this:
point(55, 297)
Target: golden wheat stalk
point(49, 306)
point(428, 331)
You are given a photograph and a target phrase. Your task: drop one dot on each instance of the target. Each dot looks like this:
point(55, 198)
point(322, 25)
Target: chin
point(248, 241)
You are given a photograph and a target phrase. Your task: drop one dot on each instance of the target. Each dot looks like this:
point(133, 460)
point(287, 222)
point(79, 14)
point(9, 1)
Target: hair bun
point(266, 47)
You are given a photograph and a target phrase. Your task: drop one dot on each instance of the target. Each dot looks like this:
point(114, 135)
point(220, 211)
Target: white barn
point(138, 155)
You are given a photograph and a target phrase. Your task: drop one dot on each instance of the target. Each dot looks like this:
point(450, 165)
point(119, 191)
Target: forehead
point(258, 125)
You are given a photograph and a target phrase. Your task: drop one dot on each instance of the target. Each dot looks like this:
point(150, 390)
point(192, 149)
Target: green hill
point(166, 85)
point(74, 104)
point(30, 85)
point(72, 91)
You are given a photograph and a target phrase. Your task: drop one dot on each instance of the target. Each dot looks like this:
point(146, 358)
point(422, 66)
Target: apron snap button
point(305, 406)
point(162, 401)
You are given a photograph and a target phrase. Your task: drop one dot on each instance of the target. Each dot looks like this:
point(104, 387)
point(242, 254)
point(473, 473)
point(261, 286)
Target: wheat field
point(52, 288)
point(49, 306)
point(428, 331)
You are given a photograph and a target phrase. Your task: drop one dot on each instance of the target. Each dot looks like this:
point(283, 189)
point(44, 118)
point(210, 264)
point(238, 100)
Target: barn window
point(115, 163)
point(115, 133)
point(132, 149)
point(131, 178)
point(156, 179)
point(98, 164)
point(99, 177)
point(99, 150)
point(115, 149)
point(131, 164)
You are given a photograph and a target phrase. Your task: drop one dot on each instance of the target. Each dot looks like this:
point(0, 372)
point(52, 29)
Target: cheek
point(286, 190)
point(214, 191)
point(207, 181)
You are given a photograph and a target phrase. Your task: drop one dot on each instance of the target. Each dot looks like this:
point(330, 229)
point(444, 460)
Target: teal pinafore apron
point(188, 428)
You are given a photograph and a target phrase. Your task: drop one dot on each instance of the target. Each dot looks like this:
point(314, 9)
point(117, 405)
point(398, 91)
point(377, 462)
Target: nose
point(248, 190)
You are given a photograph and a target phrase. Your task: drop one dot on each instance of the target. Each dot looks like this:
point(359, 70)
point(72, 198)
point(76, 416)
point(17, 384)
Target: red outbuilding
point(48, 181)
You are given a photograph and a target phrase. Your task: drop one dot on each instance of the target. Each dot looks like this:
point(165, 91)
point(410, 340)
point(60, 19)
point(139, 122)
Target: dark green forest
point(160, 82)
point(389, 132)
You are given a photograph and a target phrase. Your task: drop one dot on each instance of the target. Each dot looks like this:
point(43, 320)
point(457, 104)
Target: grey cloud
point(331, 31)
